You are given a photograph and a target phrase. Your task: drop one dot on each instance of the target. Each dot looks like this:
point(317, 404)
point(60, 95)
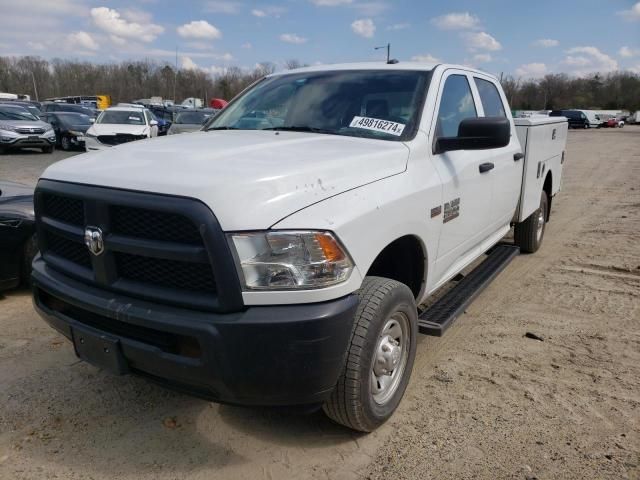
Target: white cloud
point(456, 21)
point(481, 41)
point(222, 6)
point(371, 9)
point(532, 70)
point(188, 64)
point(546, 43)
point(44, 7)
point(364, 27)
point(628, 52)
point(635, 69)
point(426, 58)
point(39, 46)
point(246, 45)
point(199, 29)
point(268, 11)
point(633, 14)
point(111, 21)
point(584, 60)
point(118, 40)
point(136, 15)
point(83, 41)
point(482, 58)
point(292, 38)
point(331, 3)
point(398, 26)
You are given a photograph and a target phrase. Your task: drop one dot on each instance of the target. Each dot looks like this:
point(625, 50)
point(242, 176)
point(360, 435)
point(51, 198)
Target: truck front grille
point(155, 247)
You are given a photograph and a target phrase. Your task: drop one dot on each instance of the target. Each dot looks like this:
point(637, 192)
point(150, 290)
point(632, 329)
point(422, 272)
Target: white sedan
point(118, 125)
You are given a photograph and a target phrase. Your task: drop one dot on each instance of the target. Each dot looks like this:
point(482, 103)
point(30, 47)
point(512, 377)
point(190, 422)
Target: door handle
point(518, 156)
point(485, 167)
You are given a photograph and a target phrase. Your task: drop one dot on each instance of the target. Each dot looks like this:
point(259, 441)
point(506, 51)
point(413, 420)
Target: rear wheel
point(528, 235)
point(380, 356)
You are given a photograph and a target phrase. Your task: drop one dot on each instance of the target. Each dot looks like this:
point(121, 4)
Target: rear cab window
point(490, 98)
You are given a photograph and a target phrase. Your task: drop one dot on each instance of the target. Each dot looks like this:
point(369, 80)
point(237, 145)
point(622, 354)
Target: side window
point(490, 98)
point(456, 105)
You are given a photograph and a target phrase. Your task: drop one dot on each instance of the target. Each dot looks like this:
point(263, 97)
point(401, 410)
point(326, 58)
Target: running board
point(439, 316)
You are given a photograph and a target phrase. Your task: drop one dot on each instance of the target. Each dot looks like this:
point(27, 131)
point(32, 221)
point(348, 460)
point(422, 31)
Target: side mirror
point(92, 120)
point(153, 123)
point(477, 134)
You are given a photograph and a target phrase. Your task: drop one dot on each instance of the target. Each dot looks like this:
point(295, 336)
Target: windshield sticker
point(378, 125)
point(137, 119)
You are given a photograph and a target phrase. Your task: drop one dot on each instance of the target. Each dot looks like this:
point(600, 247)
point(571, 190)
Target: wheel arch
point(405, 260)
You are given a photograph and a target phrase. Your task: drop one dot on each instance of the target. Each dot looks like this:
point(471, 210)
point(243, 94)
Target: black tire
point(47, 149)
point(65, 143)
point(352, 402)
point(528, 235)
point(28, 252)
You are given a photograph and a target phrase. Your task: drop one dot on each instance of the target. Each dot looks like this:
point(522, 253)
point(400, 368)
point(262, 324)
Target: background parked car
point(577, 119)
point(17, 234)
point(120, 124)
point(191, 120)
point(32, 107)
point(70, 128)
point(68, 107)
point(20, 129)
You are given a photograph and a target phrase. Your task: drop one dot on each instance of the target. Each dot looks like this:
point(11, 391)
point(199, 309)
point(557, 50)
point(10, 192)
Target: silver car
point(191, 120)
point(20, 129)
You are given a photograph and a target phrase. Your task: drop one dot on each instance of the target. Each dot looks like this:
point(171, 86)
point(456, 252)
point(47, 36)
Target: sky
point(527, 39)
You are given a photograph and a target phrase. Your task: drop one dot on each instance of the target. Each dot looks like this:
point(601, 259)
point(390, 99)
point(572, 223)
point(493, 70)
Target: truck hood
point(249, 179)
point(113, 129)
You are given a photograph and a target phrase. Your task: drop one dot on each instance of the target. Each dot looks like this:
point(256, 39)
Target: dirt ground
point(484, 402)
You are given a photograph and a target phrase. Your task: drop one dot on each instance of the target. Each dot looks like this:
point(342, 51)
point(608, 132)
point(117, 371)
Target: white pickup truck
point(280, 256)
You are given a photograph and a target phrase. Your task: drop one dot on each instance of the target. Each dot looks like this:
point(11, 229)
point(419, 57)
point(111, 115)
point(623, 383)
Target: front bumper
point(92, 143)
point(19, 140)
point(270, 356)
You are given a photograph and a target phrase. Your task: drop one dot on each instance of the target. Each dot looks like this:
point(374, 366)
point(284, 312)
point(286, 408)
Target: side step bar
point(439, 316)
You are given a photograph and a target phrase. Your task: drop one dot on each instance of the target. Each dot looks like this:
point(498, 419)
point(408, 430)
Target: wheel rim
point(390, 358)
point(540, 226)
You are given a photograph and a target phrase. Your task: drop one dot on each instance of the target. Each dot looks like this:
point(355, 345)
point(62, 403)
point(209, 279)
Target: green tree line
point(130, 80)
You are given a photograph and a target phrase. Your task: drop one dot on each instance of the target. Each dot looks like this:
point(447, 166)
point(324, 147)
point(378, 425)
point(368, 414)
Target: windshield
point(365, 103)
point(76, 108)
point(193, 118)
point(16, 113)
point(122, 117)
point(74, 118)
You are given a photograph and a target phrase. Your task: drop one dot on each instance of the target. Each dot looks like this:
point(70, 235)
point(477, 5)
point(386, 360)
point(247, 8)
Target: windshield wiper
point(302, 129)
point(221, 128)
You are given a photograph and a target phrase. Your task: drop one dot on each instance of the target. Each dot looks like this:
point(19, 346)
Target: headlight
point(290, 260)
point(48, 128)
point(91, 135)
point(8, 127)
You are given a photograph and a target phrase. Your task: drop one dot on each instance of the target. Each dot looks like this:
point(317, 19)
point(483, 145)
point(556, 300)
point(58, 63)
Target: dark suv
point(577, 119)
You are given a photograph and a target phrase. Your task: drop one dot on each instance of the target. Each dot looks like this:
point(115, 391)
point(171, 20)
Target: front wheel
point(528, 235)
point(380, 356)
point(65, 144)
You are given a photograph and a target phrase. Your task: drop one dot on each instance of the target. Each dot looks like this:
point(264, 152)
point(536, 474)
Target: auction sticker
point(378, 125)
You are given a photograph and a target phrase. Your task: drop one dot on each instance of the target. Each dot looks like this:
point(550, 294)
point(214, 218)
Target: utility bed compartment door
point(543, 140)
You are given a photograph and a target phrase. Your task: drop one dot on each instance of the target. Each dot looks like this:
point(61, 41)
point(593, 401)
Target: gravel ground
point(484, 402)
